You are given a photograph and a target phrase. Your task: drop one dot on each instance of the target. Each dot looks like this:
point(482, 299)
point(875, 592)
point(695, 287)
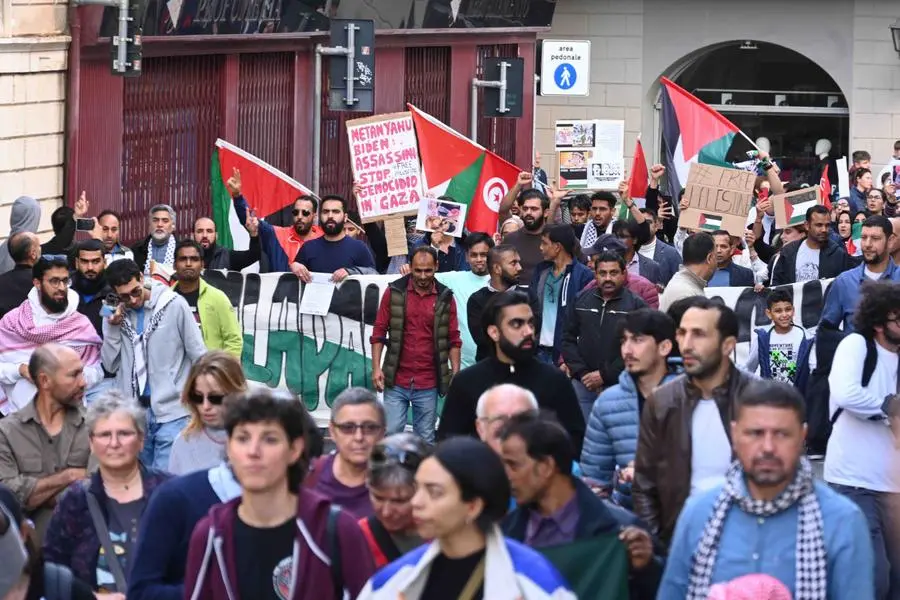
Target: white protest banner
point(317, 357)
point(384, 156)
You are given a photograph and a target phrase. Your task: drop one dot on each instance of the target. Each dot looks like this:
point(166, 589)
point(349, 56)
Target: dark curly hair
point(880, 300)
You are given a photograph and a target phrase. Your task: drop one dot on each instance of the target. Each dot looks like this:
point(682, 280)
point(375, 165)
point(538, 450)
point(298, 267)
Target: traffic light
point(127, 50)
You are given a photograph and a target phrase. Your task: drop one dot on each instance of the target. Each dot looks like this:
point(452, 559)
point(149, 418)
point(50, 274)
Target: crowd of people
point(602, 435)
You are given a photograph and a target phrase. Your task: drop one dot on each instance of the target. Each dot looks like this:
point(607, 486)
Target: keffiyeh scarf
point(811, 566)
point(169, 261)
point(139, 343)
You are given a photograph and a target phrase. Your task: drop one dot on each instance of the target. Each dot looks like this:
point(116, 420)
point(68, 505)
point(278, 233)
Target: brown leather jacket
point(662, 468)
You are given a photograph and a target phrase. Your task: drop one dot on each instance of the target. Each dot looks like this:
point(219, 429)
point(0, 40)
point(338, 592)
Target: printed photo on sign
point(790, 208)
point(441, 215)
point(577, 134)
point(602, 175)
point(573, 169)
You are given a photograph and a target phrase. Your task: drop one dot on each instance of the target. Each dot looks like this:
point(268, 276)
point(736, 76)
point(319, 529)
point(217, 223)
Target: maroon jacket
point(640, 286)
point(212, 544)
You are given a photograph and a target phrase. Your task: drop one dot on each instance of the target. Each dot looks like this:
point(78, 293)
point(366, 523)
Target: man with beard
point(816, 257)
point(25, 250)
point(510, 324)
point(210, 306)
point(159, 246)
point(217, 257)
point(464, 284)
point(533, 207)
point(279, 245)
point(843, 293)
point(589, 342)
point(770, 516)
point(683, 445)
point(49, 314)
point(418, 326)
point(862, 460)
point(107, 231)
point(504, 268)
point(89, 281)
point(44, 447)
point(335, 252)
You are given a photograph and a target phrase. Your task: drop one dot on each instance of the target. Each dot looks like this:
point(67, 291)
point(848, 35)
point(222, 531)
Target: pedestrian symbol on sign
point(564, 76)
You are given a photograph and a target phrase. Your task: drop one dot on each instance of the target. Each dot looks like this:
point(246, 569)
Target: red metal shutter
point(266, 108)
point(171, 121)
point(428, 80)
point(497, 134)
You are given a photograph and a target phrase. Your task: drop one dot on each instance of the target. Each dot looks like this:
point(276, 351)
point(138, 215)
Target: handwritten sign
point(384, 156)
point(790, 208)
point(718, 198)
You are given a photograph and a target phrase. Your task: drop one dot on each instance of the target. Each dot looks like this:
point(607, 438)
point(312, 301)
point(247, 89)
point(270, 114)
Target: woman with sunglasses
point(391, 531)
point(461, 494)
point(202, 443)
point(97, 522)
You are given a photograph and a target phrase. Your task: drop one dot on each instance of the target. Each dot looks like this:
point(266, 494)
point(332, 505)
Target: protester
point(782, 352)
point(107, 231)
point(844, 227)
point(874, 202)
point(579, 211)
point(665, 256)
point(862, 461)
point(210, 307)
point(461, 495)
point(770, 516)
point(44, 445)
point(150, 342)
point(334, 252)
point(159, 246)
point(24, 249)
point(727, 273)
point(602, 205)
point(451, 257)
point(534, 206)
point(590, 349)
point(97, 521)
point(49, 314)
point(683, 445)
point(504, 268)
point(636, 284)
point(509, 323)
point(508, 226)
point(629, 233)
point(357, 424)
point(260, 535)
point(699, 265)
point(201, 445)
point(496, 406)
point(817, 257)
point(391, 479)
point(279, 244)
point(646, 340)
point(25, 216)
point(219, 257)
point(39, 579)
point(860, 184)
point(555, 508)
point(417, 324)
point(464, 284)
point(555, 285)
point(89, 281)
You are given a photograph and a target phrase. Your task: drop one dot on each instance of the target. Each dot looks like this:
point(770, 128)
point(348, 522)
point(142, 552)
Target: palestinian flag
point(693, 132)
point(455, 166)
point(854, 247)
point(796, 205)
point(266, 189)
point(637, 181)
point(710, 222)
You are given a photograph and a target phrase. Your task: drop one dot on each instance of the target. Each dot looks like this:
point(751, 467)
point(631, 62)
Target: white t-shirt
point(784, 349)
point(807, 267)
point(871, 275)
point(710, 448)
point(861, 451)
point(648, 249)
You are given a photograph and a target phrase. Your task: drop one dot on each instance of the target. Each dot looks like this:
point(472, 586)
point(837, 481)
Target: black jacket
point(590, 339)
point(833, 260)
point(15, 286)
point(90, 300)
point(550, 386)
point(141, 251)
point(475, 312)
point(219, 257)
point(598, 517)
point(739, 276)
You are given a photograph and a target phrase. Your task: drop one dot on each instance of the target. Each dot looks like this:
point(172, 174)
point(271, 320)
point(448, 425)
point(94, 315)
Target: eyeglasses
point(58, 282)
point(384, 456)
point(874, 196)
point(305, 212)
point(105, 437)
point(214, 399)
point(136, 293)
point(369, 428)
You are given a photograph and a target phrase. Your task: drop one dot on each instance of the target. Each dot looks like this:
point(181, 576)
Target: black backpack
point(334, 551)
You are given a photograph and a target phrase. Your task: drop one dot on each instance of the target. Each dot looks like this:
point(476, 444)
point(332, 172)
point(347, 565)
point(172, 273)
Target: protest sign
point(317, 357)
point(441, 215)
point(790, 208)
point(384, 157)
point(718, 198)
point(590, 154)
point(395, 234)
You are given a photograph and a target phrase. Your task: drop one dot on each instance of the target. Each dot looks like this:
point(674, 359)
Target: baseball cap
point(606, 243)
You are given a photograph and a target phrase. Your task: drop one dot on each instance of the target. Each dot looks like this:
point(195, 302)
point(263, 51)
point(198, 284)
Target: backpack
point(57, 582)
point(334, 551)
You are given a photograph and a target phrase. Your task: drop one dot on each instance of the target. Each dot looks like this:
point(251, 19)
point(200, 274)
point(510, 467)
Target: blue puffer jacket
point(612, 432)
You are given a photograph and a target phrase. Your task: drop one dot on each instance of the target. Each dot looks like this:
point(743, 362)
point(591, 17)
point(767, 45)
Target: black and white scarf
point(139, 343)
point(169, 260)
point(811, 567)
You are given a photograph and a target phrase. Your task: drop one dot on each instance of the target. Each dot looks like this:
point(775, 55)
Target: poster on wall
point(591, 154)
point(384, 157)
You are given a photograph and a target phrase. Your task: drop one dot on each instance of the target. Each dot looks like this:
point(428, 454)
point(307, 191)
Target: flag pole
point(746, 137)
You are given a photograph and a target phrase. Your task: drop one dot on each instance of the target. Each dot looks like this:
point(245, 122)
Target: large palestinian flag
point(693, 133)
point(266, 189)
point(455, 166)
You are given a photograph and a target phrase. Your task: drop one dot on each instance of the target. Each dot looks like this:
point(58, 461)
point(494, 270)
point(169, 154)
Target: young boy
point(782, 352)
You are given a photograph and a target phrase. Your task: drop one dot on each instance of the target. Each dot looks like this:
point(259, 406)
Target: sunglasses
point(368, 428)
point(214, 399)
point(383, 456)
point(296, 212)
point(136, 293)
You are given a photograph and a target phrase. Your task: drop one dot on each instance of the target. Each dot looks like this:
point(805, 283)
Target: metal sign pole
point(480, 83)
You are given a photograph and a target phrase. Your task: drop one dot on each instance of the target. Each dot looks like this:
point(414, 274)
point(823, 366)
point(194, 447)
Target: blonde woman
point(202, 443)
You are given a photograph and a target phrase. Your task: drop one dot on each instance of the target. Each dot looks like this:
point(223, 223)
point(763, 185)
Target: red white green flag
point(266, 189)
point(455, 166)
point(637, 180)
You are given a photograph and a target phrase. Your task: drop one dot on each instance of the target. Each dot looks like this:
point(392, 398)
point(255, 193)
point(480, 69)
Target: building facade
point(33, 52)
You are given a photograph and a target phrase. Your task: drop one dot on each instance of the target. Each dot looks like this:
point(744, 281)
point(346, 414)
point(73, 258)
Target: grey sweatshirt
point(172, 348)
point(24, 216)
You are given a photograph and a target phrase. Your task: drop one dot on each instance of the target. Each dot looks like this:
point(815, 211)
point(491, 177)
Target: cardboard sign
point(384, 156)
point(395, 234)
point(790, 208)
point(718, 198)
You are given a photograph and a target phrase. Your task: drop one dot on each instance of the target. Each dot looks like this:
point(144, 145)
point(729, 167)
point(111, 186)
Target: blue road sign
point(564, 76)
